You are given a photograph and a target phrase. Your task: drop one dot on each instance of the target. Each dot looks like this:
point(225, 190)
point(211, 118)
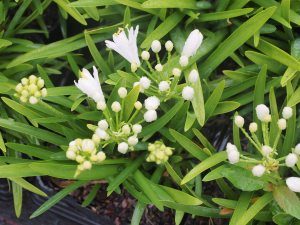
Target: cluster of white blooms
point(126, 136)
point(31, 89)
point(269, 162)
point(159, 152)
point(125, 43)
point(85, 153)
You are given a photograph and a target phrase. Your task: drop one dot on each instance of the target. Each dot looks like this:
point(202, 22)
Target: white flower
point(126, 46)
point(150, 116)
point(239, 121)
point(101, 156)
point(258, 170)
point(164, 86)
point(88, 145)
point(90, 85)
point(169, 46)
point(87, 165)
point(297, 149)
point(152, 103)
point(176, 72)
point(291, 160)
point(133, 140)
point(102, 124)
point(293, 183)
point(183, 61)
point(233, 157)
point(253, 127)
point(138, 105)
point(281, 124)
point(193, 76)
point(116, 107)
point(192, 43)
point(33, 100)
point(262, 112)
point(159, 67)
point(287, 112)
point(102, 134)
point(101, 105)
point(137, 128)
point(267, 150)
point(231, 147)
point(188, 93)
point(156, 46)
point(144, 83)
point(126, 129)
point(145, 55)
point(122, 92)
point(123, 147)
point(71, 155)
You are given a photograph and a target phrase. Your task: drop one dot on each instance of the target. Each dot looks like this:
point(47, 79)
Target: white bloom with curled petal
point(90, 85)
point(293, 183)
point(152, 103)
point(262, 112)
point(192, 43)
point(125, 45)
point(258, 170)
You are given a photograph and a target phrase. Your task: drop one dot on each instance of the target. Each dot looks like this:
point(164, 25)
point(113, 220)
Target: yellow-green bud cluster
point(159, 152)
point(31, 89)
point(84, 152)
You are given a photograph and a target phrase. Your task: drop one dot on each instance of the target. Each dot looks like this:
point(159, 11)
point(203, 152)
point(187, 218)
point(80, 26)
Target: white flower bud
point(138, 105)
point(183, 61)
point(188, 93)
point(145, 55)
point(23, 99)
point(71, 155)
point(159, 67)
point(33, 100)
point(123, 147)
point(102, 124)
point(126, 129)
point(137, 128)
point(176, 72)
point(156, 46)
point(258, 170)
point(96, 139)
point(40, 83)
point(230, 147)
point(164, 86)
point(150, 116)
point(24, 81)
point(44, 92)
point(116, 107)
point(287, 112)
point(233, 157)
point(297, 149)
point(253, 127)
point(145, 83)
point(88, 145)
point(122, 92)
point(101, 105)
point(87, 165)
point(152, 103)
point(192, 43)
point(266, 150)
point(102, 134)
point(293, 184)
point(133, 67)
point(133, 140)
point(19, 87)
point(291, 160)
point(169, 46)
point(281, 124)
point(32, 79)
point(101, 156)
point(193, 76)
point(79, 159)
point(239, 121)
point(263, 113)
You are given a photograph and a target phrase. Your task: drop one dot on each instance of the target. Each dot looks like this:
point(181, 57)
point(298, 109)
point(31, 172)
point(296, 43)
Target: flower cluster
point(157, 79)
point(85, 153)
point(31, 89)
point(268, 151)
point(159, 152)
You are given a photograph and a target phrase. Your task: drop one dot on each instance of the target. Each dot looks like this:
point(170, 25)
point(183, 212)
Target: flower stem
point(265, 133)
point(251, 140)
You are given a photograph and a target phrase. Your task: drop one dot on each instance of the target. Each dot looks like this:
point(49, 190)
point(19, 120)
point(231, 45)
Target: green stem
point(277, 139)
point(133, 116)
point(251, 140)
point(157, 58)
point(265, 133)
